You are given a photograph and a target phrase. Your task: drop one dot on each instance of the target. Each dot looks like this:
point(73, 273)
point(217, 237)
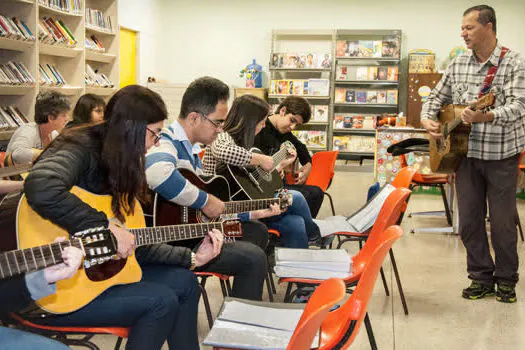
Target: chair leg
point(370, 332)
point(518, 223)
point(445, 203)
point(331, 202)
point(383, 278)
point(223, 288)
point(206, 302)
point(229, 287)
point(269, 287)
point(398, 280)
point(287, 295)
point(272, 283)
point(118, 343)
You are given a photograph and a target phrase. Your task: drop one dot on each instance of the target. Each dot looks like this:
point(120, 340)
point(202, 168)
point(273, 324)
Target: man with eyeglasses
point(203, 111)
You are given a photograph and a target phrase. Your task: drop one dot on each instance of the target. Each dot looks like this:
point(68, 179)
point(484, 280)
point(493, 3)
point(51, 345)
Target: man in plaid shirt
point(490, 169)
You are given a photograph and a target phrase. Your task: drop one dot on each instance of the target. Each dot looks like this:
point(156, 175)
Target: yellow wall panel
point(128, 57)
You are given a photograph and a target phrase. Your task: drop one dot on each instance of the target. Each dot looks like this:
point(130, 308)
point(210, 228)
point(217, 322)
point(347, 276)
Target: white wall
point(144, 16)
point(220, 37)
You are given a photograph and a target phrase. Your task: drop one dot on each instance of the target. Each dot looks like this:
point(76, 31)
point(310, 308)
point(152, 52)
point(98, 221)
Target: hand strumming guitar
point(433, 128)
point(476, 116)
point(214, 207)
point(210, 247)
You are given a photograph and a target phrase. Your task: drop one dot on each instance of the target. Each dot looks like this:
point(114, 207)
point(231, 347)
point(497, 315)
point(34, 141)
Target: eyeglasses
point(156, 134)
point(216, 123)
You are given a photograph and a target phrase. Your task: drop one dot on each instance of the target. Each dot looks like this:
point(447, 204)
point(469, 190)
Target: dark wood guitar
point(164, 212)
point(447, 152)
point(254, 182)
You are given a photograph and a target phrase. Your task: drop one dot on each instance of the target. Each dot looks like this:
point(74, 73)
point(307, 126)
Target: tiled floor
point(432, 267)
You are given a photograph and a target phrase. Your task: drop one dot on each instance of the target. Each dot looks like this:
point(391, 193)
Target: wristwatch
point(193, 261)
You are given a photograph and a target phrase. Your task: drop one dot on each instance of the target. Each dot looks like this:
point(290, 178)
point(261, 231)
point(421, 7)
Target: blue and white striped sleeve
point(164, 178)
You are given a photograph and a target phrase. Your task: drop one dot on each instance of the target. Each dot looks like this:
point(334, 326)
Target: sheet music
point(333, 224)
point(297, 272)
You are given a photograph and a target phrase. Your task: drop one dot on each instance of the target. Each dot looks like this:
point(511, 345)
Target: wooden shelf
point(303, 96)
point(100, 91)
point(15, 45)
point(100, 57)
point(44, 8)
point(59, 51)
point(15, 89)
point(67, 90)
point(99, 30)
point(357, 154)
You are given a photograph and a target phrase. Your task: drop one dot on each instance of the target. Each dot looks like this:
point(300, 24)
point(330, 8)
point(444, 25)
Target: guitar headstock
point(99, 245)
point(285, 198)
point(231, 230)
point(484, 102)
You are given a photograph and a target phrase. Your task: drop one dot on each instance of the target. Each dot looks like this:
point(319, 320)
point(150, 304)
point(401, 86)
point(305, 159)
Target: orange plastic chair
point(388, 216)
point(323, 165)
point(62, 333)
point(340, 327)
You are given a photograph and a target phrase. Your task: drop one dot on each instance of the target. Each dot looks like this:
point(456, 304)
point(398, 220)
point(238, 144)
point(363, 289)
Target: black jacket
point(77, 163)
point(14, 295)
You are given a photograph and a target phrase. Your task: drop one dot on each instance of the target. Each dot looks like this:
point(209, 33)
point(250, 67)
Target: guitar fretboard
point(277, 158)
point(249, 205)
point(16, 262)
point(163, 234)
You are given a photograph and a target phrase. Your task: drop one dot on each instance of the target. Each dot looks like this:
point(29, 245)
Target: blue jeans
point(162, 306)
point(295, 225)
point(17, 339)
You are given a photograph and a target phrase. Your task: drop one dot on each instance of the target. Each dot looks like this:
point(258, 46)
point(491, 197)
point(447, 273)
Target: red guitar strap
point(487, 84)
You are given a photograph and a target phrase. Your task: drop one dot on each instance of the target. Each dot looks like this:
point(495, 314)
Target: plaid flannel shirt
point(504, 137)
point(224, 151)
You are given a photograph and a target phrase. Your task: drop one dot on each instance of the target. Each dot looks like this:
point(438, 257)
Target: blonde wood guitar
point(96, 275)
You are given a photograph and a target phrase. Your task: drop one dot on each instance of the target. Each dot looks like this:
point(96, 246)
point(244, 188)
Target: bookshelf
point(70, 61)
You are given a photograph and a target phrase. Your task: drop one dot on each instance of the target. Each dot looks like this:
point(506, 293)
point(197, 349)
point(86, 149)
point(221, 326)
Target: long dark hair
point(244, 115)
point(85, 105)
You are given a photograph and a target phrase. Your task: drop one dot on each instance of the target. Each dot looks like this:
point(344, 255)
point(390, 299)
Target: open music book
point(244, 324)
point(361, 221)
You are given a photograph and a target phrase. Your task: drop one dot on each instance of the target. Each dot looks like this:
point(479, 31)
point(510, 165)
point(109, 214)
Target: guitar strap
point(487, 84)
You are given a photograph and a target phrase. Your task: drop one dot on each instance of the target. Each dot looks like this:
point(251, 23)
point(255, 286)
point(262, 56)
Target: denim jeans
point(17, 339)
point(162, 306)
point(295, 225)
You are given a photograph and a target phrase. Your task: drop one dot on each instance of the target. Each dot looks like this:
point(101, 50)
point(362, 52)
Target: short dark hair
point(203, 95)
point(50, 103)
point(486, 15)
point(298, 106)
point(85, 105)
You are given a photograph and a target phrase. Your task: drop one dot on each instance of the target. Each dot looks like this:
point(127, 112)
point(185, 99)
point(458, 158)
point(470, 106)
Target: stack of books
point(50, 76)
point(94, 78)
point(15, 28)
point(312, 263)
point(71, 6)
point(11, 117)
point(15, 73)
point(93, 44)
point(96, 19)
point(55, 32)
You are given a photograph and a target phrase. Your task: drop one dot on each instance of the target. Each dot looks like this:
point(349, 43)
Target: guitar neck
point(16, 262)
point(172, 233)
point(280, 156)
point(236, 207)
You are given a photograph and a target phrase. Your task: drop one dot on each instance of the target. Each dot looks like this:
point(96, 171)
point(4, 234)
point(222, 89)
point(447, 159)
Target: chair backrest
point(388, 216)
point(404, 177)
point(341, 326)
point(323, 165)
point(325, 296)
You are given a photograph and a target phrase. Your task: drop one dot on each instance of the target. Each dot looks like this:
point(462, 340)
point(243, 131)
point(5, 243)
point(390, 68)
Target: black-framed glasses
point(156, 134)
point(216, 123)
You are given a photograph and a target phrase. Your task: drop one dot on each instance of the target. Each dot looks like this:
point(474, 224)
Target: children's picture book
point(350, 96)
point(297, 87)
point(357, 122)
point(311, 138)
point(342, 73)
point(340, 48)
point(371, 97)
point(338, 121)
point(325, 61)
point(393, 74)
point(340, 143)
point(305, 87)
point(381, 97)
point(366, 48)
point(362, 73)
point(353, 48)
point(360, 96)
point(310, 60)
point(391, 47)
point(291, 60)
point(340, 95)
point(391, 97)
point(378, 48)
point(318, 87)
point(283, 87)
point(382, 73)
point(276, 60)
point(348, 122)
point(320, 114)
point(372, 73)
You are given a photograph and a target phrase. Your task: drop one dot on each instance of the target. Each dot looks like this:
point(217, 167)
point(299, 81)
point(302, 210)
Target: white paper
point(365, 218)
point(333, 224)
point(296, 272)
point(317, 259)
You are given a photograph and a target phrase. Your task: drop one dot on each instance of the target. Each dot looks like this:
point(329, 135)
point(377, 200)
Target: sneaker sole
point(471, 297)
point(507, 301)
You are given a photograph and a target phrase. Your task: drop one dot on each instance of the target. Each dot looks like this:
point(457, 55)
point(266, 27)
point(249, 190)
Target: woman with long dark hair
point(89, 109)
point(246, 118)
point(108, 158)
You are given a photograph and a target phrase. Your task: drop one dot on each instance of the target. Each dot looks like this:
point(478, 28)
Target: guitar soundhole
point(106, 270)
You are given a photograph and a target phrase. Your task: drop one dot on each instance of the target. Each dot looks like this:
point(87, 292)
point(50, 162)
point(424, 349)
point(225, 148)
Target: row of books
point(301, 60)
point(11, 117)
point(95, 18)
point(50, 76)
point(15, 73)
point(311, 138)
point(354, 121)
point(388, 47)
point(96, 79)
point(353, 143)
point(72, 6)
point(300, 87)
point(92, 43)
point(15, 28)
point(55, 32)
point(319, 112)
point(390, 73)
point(366, 96)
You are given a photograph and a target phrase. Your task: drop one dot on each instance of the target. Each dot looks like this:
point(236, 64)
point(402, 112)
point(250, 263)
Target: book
point(318, 87)
point(340, 95)
point(291, 60)
point(340, 143)
point(311, 138)
point(320, 113)
point(360, 96)
point(357, 122)
point(371, 96)
point(353, 48)
point(381, 97)
point(391, 97)
point(362, 73)
point(338, 121)
point(340, 48)
point(371, 73)
point(325, 61)
point(342, 72)
point(275, 61)
point(393, 74)
point(382, 73)
point(390, 47)
point(377, 48)
point(347, 122)
point(350, 96)
point(366, 48)
point(311, 60)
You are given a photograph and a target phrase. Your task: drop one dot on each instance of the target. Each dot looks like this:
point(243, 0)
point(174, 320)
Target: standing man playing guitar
point(203, 111)
point(489, 171)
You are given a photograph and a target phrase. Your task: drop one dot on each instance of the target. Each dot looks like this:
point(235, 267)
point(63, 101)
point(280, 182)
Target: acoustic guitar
point(447, 151)
point(254, 182)
point(97, 276)
point(165, 212)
